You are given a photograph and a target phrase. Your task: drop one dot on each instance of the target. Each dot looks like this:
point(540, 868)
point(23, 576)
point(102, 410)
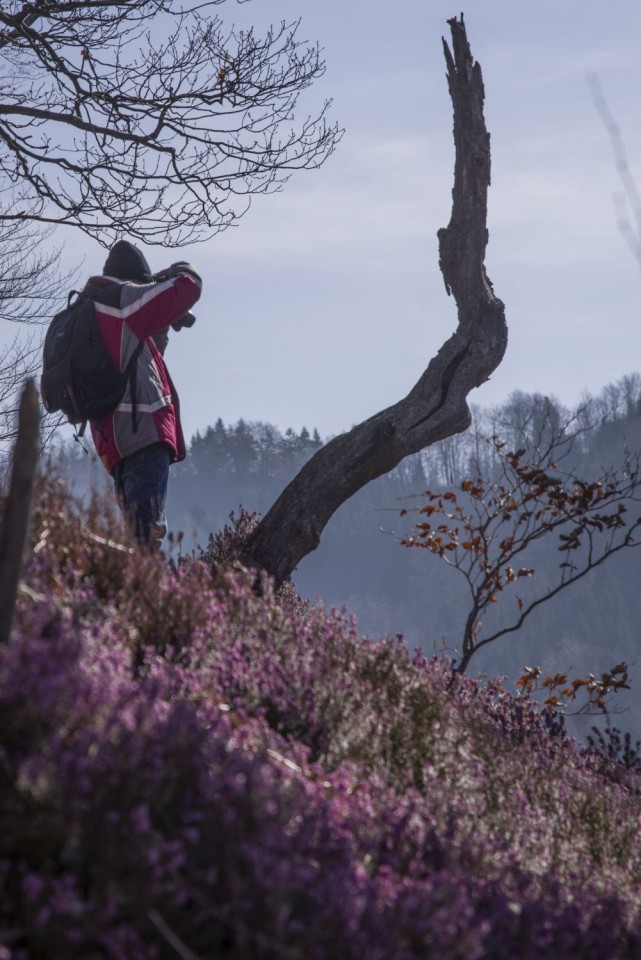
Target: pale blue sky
point(326, 303)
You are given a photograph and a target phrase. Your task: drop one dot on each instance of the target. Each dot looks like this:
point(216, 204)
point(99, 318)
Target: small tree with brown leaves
point(487, 531)
point(563, 694)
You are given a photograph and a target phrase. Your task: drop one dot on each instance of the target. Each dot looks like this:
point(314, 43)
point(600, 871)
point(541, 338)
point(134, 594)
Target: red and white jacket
point(127, 313)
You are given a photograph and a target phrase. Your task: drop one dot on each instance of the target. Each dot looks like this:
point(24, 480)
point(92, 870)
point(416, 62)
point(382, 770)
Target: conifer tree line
point(247, 463)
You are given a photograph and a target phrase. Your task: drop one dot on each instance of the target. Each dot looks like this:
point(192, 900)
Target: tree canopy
point(148, 118)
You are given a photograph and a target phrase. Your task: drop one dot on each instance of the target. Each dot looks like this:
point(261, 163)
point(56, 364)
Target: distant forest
point(360, 563)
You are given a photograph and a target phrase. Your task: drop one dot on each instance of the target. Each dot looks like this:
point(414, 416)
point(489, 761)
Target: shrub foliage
point(190, 767)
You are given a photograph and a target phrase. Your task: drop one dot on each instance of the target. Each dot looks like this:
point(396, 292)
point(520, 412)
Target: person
point(142, 436)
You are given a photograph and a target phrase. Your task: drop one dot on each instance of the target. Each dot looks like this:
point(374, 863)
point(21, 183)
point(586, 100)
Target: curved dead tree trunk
point(436, 407)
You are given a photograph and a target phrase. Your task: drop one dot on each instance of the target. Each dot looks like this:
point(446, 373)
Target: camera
point(185, 322)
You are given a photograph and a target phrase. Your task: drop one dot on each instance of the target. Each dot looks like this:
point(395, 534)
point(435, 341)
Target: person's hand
point(183, 267)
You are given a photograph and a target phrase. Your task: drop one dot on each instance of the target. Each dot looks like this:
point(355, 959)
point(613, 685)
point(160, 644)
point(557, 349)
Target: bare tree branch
point(629, 205)
point(145, 118)
point(31, 288)
point(436, 407)
point(31, 291)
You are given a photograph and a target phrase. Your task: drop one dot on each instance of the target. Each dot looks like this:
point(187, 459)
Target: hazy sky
point(326, 303)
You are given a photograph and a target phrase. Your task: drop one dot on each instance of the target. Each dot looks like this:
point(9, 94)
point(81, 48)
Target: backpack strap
point(72, 396)
point(78, 433)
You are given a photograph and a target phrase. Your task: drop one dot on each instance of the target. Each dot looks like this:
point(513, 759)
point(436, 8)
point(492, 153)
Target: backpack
point(79, 377)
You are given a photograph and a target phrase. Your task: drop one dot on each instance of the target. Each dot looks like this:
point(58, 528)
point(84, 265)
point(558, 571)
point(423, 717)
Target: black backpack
point(79, 377)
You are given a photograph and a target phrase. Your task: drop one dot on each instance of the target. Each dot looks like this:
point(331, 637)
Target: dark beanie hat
point(126, 262)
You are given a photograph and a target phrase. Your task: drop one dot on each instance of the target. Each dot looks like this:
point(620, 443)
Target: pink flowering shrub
point(193, 768)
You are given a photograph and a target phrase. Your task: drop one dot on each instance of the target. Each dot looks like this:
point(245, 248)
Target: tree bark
point(436, 407)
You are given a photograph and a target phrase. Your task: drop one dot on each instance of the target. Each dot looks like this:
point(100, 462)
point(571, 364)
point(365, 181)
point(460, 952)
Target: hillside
point(192, 768)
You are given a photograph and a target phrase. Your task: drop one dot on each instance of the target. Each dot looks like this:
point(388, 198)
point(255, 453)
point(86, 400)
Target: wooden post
point(18, 504)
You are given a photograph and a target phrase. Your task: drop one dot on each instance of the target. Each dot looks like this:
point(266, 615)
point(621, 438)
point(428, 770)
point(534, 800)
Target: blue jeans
point(141, 487)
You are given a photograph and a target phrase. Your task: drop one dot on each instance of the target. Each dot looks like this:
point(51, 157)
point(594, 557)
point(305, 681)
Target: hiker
point(142, 435)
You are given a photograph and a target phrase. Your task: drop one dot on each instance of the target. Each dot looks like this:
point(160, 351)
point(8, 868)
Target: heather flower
point(185, 761)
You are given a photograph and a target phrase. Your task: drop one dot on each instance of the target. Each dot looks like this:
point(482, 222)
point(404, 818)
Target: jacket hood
point(127, 262)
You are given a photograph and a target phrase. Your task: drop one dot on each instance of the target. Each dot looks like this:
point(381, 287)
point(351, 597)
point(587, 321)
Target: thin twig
point(172, 938)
